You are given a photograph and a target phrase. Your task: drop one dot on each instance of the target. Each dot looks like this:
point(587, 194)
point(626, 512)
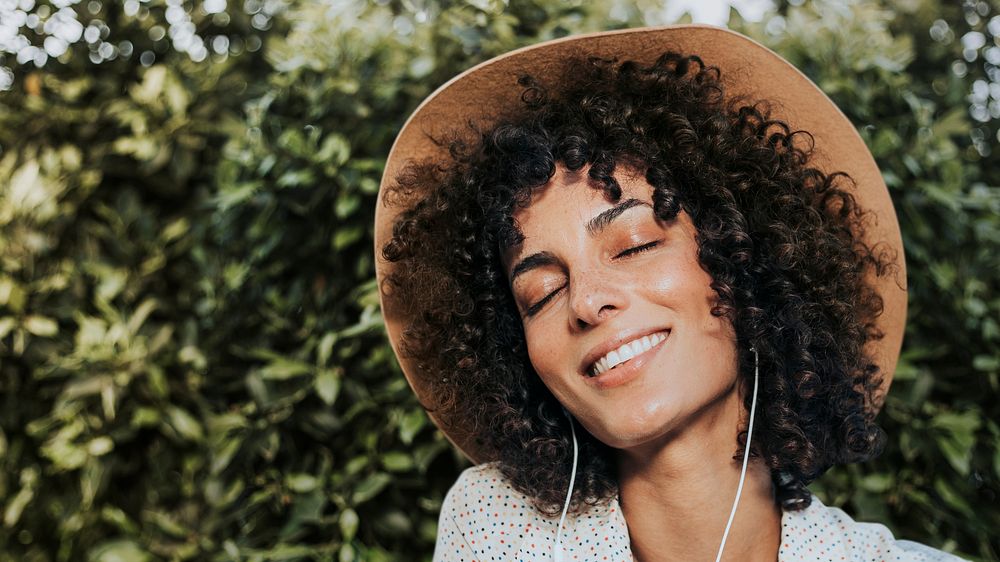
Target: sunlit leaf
point(370, 487)
point(327, 385)
point(118, 551)
point(410, 424)
point(302, 483)
point(396, 461)
point(348, 524)
point(41, 326)
point(282, 369)
point(185, 424)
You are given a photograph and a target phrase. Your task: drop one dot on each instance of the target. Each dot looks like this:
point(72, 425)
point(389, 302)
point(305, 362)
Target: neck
point(676, 494)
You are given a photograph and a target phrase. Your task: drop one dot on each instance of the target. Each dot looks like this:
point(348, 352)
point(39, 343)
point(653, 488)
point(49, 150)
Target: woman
point(618, 274)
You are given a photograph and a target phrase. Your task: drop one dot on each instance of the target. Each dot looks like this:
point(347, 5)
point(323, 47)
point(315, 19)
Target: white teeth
point(614, 358)
point(625, 352)
point(637, 347)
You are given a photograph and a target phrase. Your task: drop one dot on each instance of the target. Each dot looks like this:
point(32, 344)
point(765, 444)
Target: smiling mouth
point(626, 352)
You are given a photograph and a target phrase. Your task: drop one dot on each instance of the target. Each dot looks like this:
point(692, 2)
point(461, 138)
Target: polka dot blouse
point(484, 519)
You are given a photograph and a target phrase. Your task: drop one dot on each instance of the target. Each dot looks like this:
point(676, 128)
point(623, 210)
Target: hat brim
point(747, 69)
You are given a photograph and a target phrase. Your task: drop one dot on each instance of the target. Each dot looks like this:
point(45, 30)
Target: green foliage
point(192, 363)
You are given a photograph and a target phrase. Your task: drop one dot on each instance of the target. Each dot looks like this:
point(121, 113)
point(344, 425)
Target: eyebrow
point(601, 221)
point(537, 259)
point(594, 227)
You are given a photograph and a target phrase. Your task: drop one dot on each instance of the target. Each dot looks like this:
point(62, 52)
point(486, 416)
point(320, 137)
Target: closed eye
point(638, 249)
point(533, 309)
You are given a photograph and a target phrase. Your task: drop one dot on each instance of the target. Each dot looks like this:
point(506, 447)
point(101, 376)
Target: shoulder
point(482, 492)
point(481, 480)
point(484, 518)
point(827, 533)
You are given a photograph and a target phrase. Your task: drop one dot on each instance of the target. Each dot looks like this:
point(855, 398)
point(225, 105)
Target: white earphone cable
point(557, 553)
point(746, 457)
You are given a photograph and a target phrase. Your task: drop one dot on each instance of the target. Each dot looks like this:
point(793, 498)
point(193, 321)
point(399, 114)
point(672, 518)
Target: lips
point(620, 350)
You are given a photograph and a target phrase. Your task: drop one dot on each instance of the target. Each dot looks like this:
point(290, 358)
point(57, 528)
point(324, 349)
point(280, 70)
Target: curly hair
point(781, 240)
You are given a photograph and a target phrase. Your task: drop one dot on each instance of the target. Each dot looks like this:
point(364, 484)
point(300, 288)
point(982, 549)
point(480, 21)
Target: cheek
point(708, 340)
point(552, 361)
point(543, 351)
point(682, 282)
point(711, 345)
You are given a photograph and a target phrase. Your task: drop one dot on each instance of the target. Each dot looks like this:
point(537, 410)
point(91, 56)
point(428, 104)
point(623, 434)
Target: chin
point(633, 439)
point(639, 424)
point(635, 430)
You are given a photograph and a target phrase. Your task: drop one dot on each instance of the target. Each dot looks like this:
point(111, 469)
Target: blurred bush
point(192, 363)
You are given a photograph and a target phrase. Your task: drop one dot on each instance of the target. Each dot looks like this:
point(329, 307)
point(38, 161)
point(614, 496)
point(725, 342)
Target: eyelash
point(638, 249)
point(533, 309)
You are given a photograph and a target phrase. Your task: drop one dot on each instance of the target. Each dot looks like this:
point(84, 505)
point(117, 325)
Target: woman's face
point(617, 311)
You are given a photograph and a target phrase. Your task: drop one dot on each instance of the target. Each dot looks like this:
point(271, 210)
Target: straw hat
point(747, 68)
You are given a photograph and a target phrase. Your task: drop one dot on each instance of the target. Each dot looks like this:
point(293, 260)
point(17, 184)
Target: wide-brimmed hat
point(747, 69)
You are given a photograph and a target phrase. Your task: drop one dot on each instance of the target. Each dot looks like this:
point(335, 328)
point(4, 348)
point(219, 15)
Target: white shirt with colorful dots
point(484, 519)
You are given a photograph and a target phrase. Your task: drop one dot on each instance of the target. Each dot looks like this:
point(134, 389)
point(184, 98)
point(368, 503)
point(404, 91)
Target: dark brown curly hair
point(781, 239)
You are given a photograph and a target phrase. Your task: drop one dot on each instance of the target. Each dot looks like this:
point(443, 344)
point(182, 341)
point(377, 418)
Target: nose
point(595, 297)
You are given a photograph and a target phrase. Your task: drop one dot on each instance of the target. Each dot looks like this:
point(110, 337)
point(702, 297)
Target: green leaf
point(144, 417)
point(411, 424)
point(370, 487)
point(166, 523)
point(152, 84)
point(302, 482)
point(347, 205)
point(177, 97)
point(344, 237)
point(100, 446)
point(7, 324)
point(876, 482)
point(325, 348)
point(15, 507)
point(346, 553)
point(957, 437)
point(986, 363)
point(397, 461)
point(193, 356)
point(327, 385)
point(951, 497)
point(335, 150)
point(12, 295)
point(223, 455)
point(118, 551)
point(185, 424)
point(348, 521)
point(119, 519)
point(140, 315)
point(41, 326)
point(140, 148)
point(355, 465)
point(283, 369)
